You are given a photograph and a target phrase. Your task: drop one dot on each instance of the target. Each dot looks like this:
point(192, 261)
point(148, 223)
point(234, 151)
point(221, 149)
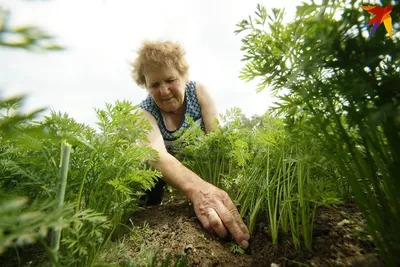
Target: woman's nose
point(164, 89)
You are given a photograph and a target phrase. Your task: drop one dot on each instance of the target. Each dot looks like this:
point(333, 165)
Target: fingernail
point(244, 244)
point(247, 236)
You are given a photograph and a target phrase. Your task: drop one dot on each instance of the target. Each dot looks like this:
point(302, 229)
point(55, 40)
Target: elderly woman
point(160, 67)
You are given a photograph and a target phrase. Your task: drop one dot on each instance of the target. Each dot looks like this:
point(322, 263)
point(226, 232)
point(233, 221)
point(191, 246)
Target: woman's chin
point(170, 107)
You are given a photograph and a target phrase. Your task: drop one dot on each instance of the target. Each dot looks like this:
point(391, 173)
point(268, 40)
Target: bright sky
point(101, 37)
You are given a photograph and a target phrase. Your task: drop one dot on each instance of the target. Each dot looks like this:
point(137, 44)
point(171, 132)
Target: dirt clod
point(343, 222)
point(164, 235)
point(188, 248)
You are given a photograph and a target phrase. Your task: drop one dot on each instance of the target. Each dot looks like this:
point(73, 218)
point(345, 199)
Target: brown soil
point(176, 230)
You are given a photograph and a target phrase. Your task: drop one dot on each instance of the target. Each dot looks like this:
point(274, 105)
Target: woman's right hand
point(218, 214)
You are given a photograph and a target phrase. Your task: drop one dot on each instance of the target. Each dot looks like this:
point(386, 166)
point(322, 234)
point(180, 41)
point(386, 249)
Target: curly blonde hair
point(158, 54)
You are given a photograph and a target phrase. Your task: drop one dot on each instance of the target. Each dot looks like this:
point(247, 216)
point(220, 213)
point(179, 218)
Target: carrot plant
point(342, 90)
point(62, 183)
point(217, 156)
point(118, 161)
point(260, 184)
point(260, 163)
point(278, 181)
point(107, 173)
point(23, 221)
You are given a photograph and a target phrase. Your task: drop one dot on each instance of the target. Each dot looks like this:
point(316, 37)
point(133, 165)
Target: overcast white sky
point(101, 37)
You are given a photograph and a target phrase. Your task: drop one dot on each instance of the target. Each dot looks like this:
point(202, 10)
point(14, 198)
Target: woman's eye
point(155, 85)
point(170, 81)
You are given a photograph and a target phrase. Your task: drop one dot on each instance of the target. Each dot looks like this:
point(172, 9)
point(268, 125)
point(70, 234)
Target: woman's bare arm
point(209, 112)
point(204, 196)
point(167, 164)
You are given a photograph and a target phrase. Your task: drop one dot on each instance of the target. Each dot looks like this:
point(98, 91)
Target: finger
point(206, 224)
point(216, 224)
point(239, 220)
point(204, 221)
point(232, 225)
point(234, 211)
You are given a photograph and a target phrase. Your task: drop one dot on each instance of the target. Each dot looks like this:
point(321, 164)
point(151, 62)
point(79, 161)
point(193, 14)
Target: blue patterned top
point(193, 109)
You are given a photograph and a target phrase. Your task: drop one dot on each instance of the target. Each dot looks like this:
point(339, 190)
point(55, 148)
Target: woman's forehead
point(160, 73)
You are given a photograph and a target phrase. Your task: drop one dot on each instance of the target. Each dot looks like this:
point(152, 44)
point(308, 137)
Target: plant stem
point(64, 162)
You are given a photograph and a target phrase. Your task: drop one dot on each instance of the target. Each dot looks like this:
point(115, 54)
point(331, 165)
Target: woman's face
point(167, 87)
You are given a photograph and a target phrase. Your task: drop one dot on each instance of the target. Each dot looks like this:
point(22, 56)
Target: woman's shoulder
point(147, 102)
point(196, 88)
point(150, 106)
point(201, 91)
point(191, 86)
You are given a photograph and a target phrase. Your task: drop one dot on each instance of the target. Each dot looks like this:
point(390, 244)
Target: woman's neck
point(179, 112)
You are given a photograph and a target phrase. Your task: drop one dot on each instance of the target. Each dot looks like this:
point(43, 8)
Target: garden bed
point(173, 228)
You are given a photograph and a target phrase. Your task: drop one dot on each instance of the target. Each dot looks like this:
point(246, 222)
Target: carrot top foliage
point(107, 172)
point(337, 84)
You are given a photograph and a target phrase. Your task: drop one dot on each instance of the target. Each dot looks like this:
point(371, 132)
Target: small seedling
point(236, 249)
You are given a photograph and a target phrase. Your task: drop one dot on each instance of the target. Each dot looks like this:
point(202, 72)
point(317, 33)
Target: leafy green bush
point(107, 172)
point(342, 88)
point(22, 221)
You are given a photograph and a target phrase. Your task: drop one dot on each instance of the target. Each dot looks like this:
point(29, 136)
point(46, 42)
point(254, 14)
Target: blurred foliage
point(22, 224)
point(24, 37)
point(23, 220)
point(152, 258)
point(337, 84)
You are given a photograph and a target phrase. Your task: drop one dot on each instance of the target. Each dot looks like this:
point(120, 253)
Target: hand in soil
point(218, 214)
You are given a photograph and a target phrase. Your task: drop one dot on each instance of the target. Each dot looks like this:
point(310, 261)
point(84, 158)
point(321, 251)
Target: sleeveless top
point(192, 109)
